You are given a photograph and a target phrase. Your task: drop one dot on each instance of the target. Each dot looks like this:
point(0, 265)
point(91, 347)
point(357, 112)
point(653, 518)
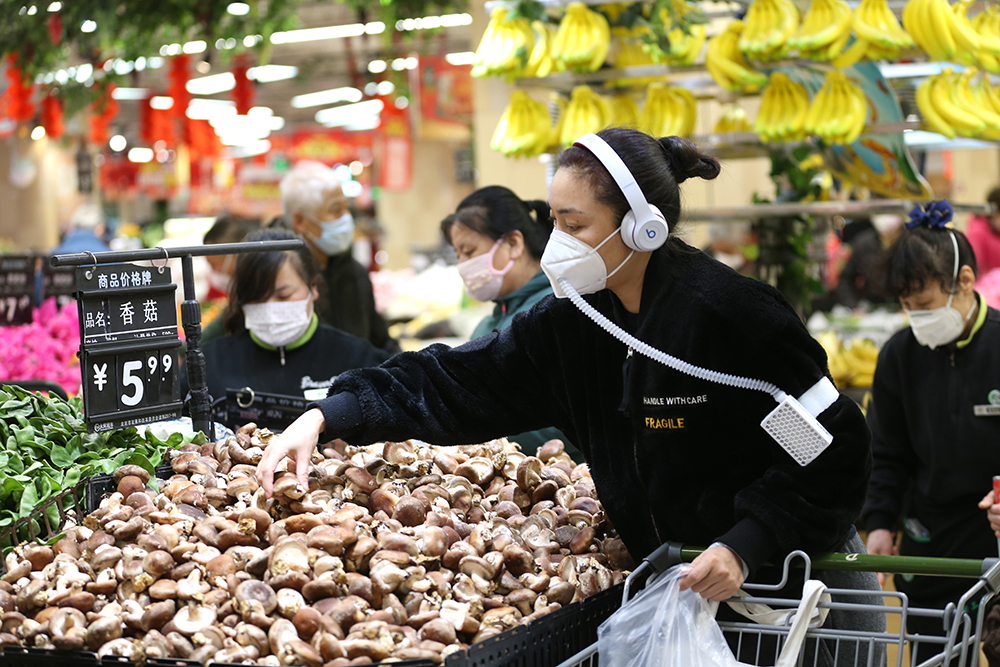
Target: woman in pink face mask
point(499, 240)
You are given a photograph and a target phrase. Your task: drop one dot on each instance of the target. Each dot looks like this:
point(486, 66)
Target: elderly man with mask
point(315, 206)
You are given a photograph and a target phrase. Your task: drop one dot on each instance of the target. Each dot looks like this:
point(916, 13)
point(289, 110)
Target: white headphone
point(643, 228)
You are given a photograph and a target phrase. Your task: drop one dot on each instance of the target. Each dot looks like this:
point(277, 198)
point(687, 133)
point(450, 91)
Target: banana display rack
point(760, 644)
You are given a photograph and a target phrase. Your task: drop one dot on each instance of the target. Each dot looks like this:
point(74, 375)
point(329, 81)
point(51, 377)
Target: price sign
point(129, 346)
point(17, 289)
point(58, 281)
point(273, 411)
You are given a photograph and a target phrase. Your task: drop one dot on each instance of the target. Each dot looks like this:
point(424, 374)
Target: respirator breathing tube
point(792, 425)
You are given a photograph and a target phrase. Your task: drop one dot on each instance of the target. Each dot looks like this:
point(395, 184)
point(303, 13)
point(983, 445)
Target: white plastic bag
point(663, 626)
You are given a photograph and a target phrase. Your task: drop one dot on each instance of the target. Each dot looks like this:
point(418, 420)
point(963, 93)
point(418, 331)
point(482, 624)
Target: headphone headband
point(619, 172)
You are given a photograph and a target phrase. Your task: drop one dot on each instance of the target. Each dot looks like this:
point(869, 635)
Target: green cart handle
point(672, 553)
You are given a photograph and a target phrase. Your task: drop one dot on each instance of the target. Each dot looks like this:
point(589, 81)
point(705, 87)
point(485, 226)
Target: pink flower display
point(46, 349)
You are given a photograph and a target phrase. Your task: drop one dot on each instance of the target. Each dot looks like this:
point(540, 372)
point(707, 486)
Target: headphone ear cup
point(647, 235)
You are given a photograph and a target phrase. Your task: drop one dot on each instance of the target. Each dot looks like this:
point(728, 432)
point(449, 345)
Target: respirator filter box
point(797, 431)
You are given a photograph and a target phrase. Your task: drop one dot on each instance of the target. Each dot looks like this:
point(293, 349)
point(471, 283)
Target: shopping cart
point(758, 644)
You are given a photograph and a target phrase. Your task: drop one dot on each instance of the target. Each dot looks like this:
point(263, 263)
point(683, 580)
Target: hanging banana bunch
point(838, 112)
point(879, 35)
point(524, 129)
point(825, 29)
point(941, 30)
point(987, 26)
point(951, 105)
point(668, 111)
point(727, 65)
point(586, 112)
point(624, 111)
point(768, 26)
point(505, 47)
point(733, 119)
point(783, 109)
point(582, 40)
point(540, 61)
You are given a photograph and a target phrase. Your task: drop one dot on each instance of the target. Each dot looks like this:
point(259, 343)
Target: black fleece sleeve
point(894, 456)
point(490, 387)
point(809, 507)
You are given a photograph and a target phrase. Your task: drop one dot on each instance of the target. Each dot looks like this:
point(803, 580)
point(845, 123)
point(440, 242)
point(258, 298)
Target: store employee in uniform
point(935, 415)
point(275, 342)
point(673, 457)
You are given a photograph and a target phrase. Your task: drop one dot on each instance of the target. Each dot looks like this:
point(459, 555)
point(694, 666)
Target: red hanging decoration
point(202, 140)
point(243, 91)
point(102, 112)
point(179, 76)
point(52, 115)
point(155, 125)
point(19, 90)
point(55, 26)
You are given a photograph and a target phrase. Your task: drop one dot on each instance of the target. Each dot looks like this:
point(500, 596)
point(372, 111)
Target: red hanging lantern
point(52, 115)
point(19, 90)
point(243, 91)
point(55, 26)
point(202, 139)
point(102, 112)
point(179, 77)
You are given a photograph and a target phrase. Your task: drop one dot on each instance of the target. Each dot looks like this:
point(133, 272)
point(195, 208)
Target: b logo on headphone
point(643, 228)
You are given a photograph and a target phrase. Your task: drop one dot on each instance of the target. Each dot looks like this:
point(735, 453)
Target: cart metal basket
point(758, 644)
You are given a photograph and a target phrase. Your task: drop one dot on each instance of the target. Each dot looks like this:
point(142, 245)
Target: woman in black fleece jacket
point(673, 457)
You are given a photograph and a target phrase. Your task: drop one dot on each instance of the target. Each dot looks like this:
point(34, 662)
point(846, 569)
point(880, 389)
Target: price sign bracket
point(17, 289)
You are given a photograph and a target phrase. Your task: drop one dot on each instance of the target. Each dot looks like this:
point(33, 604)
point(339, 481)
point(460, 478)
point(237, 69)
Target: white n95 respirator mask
point(577, 263)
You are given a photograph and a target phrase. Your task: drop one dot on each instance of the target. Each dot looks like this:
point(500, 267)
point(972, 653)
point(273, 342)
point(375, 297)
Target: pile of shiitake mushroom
point(400, 550)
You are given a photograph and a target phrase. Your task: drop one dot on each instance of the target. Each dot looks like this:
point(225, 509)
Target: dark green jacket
point(519, 301)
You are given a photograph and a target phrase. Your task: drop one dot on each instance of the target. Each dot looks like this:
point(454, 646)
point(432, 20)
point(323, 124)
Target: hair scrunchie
point(936, 214)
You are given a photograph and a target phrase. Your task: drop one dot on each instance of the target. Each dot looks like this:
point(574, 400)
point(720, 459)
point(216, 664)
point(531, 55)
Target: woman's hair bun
point(686, 161)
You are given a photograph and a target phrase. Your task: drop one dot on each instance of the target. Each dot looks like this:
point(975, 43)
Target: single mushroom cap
point(131, 471)
point(252, 595)
point(194, 618)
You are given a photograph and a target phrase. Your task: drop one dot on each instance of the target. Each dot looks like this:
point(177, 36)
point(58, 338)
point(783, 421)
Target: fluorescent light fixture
point(385, 88)
point(161, 102)
point(250, 41)
point(401, 102)
point(430, 22)
point(197, 46)
point(363, 124)
point(915, 70)
point(249, 150)
point(374, 28)
point(463, 58)
point(212, 84)
point(313, 34)
point(32, 10)
point(130, 93)
point(377, 66)
point(238, 8)
point(55, 6)
point(38, 132)
point(171, 50)
point(371, 89)
point(156, 62)
point(348, 113)
point(260, 112)
point(269, 73)
point(62, 77)
point(140, 63)
point(139, 154)
point(323, 97)
point(351, 189)
point(231, 43)
point(400, 64)
point(202, 109)
point(88, 26)
point(117, 143)
point(84, 72)
point(122, 67)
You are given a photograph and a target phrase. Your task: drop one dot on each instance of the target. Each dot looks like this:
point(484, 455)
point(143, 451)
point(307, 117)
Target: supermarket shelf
point(822, 209)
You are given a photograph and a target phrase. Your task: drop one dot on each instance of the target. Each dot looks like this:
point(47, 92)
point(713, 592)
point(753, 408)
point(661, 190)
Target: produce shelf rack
point(545, 642)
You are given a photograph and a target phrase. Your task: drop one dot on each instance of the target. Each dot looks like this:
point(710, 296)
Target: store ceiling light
point(155, 62)
point(55, 6)
point(269, 73)
point(88, 26)
point(238, 8)
point(140, 63)
point(197, 46)
point(327, 32)
point(399, 64)
point(161, 102)
point(463, 58)
point(352, 189)
point(377, 66)
point(349, 113)
point(130, 93)
point(260, 112)
point(249, 150)
point(140, 154)
point(212, 84)
point(431, 22)
point(117, 143)
point(362, 125)
point(84, 72)
point(123, 67)
point(38, 132)
point(32, 10)
point(324, 97)
point(202, 109)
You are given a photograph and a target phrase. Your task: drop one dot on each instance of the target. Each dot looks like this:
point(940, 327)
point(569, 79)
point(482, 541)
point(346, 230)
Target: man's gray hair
point(303, 188)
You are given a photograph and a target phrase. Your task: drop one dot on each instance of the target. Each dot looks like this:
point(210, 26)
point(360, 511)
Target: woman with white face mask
point(673, 457)
point(935, 414)
point(275, 342)
point(499, 240)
